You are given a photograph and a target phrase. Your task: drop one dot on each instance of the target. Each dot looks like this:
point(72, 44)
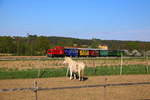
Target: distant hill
point(38, 45)
point(93, 43)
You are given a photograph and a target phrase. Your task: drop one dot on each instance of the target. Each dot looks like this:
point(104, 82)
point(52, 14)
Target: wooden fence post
point(36, 90)
point(147, 64)
point(39, 71)
point(121, 62)
point(94, 65)
point(105, 90)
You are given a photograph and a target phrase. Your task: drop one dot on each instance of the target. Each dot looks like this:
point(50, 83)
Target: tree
point(7, 44)
point(42, 45)
point(95, 43)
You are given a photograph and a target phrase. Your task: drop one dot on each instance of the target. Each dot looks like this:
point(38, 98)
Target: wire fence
point(36, 89)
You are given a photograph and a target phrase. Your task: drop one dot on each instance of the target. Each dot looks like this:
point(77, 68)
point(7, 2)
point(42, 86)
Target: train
point(60, 51)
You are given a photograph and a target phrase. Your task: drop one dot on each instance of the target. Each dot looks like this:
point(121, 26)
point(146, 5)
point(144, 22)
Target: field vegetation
point(58, 62)
point(47, 67)
point(60, 72)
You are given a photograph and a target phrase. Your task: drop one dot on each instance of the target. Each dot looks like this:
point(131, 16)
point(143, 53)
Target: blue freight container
point(71, 52)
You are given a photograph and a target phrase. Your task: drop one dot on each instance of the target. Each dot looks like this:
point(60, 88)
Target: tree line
point(33, 45)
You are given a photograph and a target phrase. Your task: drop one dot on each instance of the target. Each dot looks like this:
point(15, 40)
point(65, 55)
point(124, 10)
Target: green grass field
point(60, 72)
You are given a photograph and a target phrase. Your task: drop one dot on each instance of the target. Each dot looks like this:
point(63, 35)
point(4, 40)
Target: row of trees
point(37, 45)
point(31, 45)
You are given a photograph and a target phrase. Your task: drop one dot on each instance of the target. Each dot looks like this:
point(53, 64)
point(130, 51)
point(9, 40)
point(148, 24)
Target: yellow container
point(84, 52)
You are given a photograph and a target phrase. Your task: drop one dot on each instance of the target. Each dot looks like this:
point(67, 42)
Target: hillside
point(38, 45)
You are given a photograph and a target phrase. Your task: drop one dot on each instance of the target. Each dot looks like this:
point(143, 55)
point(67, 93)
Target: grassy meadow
point(61, 72)
point(47, 67)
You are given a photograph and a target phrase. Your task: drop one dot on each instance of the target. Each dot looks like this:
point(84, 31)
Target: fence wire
point(36, 88)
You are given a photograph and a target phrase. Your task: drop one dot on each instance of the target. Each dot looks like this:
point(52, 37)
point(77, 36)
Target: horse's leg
point(70, 74)
point(82, 74)
point(67, 71)
point(79, 72)
point(74, 75)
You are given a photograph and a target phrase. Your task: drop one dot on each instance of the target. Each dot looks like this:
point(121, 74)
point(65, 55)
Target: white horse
point(75, 67)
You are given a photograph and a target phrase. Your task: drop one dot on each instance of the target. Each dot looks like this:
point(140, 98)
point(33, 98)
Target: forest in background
point(33, 45)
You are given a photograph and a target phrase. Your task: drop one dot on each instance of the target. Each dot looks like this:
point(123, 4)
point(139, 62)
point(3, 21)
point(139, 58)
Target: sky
point(86, 19)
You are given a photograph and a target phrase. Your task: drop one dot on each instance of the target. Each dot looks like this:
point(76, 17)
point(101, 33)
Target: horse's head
point(64, 62)
point(67, 60)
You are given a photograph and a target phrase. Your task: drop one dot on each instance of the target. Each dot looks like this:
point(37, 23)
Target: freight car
point(94, 53)
point(83, 52)
point(73, 52)
point(103, 53)
point(59, 51)
point(115, 53)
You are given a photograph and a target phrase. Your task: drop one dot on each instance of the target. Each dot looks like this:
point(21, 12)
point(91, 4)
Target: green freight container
point(112, 53)
point(115, 53)
point(120, 53)
point(103, 53)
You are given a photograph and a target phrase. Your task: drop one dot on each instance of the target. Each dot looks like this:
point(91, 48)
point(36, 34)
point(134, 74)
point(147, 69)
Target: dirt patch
point(139, 92)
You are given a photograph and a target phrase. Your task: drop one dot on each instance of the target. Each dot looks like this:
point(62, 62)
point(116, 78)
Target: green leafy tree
point(42, 45)
point(7, 44)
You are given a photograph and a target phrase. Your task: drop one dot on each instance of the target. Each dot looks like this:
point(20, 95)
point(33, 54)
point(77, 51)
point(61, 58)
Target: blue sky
point(102, 19)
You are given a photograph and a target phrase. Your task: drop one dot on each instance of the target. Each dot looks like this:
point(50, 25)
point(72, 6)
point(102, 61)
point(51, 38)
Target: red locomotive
point(58, 51)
